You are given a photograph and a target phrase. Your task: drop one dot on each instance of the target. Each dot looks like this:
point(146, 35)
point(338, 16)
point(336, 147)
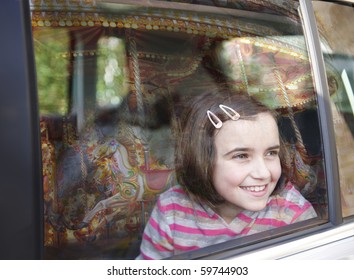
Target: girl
point(232, 175)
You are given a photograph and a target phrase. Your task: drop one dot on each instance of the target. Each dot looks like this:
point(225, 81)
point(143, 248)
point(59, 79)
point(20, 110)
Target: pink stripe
point(207, 232)
point(187, 210)
point(244, 218)
point(285, 203)
point(146, 257)
point(299, 213)
point(185, 248)
point(156, 226)
point(270, 222)
point(289, 186)
point(179, 190)
point(245, 230)
point(296, 208)
point(156, 246)
point(279, 201)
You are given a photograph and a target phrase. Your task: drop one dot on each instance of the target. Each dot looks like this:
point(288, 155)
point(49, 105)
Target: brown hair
point(195, 150)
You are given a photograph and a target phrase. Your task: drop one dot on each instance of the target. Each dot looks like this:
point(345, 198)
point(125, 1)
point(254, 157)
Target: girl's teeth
point(255, 188)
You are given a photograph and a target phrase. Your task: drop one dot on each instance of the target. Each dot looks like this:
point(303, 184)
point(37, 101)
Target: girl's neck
point(227, 211)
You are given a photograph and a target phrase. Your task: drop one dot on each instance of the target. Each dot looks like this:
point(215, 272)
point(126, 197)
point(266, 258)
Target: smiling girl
point(232, 175)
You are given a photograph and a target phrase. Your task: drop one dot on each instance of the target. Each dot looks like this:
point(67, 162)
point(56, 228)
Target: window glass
point(337, 35)
point(117, 78)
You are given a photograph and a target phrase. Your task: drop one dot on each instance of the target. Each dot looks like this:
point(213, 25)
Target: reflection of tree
point(111, 83)
point(53, 52)
point(52, 69)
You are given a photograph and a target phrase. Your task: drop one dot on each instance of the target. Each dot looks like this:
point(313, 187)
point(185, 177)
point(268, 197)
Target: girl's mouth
point(255, 189)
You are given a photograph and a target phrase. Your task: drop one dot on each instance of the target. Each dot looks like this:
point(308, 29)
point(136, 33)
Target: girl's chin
point(257, 206)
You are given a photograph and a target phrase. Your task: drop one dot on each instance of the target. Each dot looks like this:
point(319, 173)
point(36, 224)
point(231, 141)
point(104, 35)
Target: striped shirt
point(178, 224)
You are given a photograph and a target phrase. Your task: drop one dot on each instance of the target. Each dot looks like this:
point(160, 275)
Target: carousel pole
point(137, 80)
point(299, 141)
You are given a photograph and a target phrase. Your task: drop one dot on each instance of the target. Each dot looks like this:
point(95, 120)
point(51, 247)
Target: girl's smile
point(255, 190)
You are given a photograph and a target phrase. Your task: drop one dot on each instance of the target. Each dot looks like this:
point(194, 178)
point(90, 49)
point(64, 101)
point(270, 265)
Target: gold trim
point(174, 21)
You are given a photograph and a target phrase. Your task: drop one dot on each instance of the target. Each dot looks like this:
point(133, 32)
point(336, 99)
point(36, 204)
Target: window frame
point(21, 173)
point(324, 111)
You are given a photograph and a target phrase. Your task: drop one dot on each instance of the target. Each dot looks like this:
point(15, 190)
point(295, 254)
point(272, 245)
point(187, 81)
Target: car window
point(112, 82)
point(337, 36)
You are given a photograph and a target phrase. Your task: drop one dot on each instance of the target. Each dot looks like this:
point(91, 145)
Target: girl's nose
point(260, 169)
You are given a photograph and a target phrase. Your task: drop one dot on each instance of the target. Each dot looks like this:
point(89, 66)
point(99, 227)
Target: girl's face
point(247, 165)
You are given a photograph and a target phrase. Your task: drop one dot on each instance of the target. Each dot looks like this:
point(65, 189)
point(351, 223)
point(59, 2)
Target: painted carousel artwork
point(101, 181)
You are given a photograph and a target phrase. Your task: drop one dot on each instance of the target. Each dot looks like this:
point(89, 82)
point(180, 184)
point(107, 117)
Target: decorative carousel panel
point(276, 70)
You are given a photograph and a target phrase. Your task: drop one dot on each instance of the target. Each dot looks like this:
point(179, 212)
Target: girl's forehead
point(263, 128)
point(261, 120)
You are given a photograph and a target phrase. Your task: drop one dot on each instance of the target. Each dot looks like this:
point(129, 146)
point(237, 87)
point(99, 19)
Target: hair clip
point(234, 116)
point(212, 116)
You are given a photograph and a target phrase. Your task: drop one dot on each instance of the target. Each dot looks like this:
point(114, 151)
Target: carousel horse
point(128, 186)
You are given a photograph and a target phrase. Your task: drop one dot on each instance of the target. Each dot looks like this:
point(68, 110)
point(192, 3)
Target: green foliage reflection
point(51, 46)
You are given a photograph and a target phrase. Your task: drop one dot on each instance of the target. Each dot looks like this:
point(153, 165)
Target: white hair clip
point(234, 116)
point(231, 113)
point(214, 119)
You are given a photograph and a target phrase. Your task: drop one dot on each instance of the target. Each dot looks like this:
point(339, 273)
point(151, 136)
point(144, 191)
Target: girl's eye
point(240, 156)
point(273, 153)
